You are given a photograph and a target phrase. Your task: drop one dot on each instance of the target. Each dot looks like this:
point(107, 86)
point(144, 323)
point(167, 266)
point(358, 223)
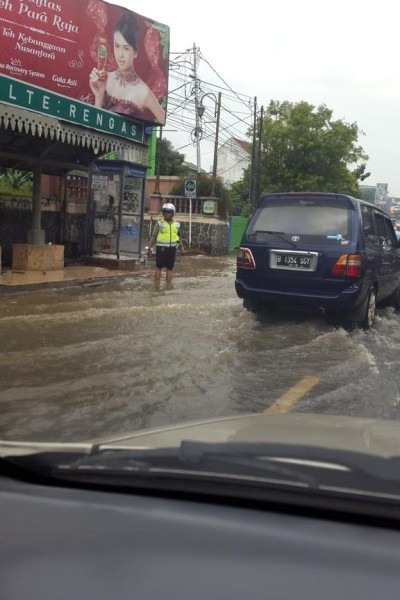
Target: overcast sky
point(344, 54)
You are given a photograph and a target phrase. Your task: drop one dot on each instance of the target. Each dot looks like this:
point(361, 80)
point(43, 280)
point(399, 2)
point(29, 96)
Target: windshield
point(136, 318)
point(311, 217)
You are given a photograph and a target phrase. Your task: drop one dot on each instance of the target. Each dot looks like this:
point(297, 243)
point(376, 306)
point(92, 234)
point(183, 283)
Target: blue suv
point(328, 252)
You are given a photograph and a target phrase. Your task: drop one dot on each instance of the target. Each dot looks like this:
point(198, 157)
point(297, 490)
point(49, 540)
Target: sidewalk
point(20, 281)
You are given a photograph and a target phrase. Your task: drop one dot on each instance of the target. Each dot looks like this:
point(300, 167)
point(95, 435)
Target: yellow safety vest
point(168, 233)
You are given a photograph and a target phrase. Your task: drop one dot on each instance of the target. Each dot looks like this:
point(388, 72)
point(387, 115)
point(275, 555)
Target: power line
point(236, 109)
point(221, 78)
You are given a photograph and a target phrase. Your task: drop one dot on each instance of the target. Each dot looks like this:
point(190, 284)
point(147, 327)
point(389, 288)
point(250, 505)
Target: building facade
point(234, 156)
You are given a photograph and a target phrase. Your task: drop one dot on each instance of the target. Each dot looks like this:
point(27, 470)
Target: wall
point(62, 223)
point(15, 223)
point(237, 225)
point(233, 159)
point(209, 235)
point(167, 182)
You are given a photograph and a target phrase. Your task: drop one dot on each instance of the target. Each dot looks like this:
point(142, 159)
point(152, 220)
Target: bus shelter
point(47, 146)
point(116, 208)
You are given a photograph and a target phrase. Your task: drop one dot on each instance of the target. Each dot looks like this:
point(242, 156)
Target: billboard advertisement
point(85, 61)
point(381, 192)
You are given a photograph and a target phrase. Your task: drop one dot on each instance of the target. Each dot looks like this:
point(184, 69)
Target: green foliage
point(16, 179)
point(305, 150)
point(171, 161)
point(240, 196)
point(368, 194)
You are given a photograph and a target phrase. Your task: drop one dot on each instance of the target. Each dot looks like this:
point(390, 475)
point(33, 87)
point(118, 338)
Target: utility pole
point(259, 155)
point(214, 175)
point(253, 160)
point(158, 163)
point(197, 130)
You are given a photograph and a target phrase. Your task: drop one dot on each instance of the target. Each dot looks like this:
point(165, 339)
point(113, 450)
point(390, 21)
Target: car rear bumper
point(348, 299)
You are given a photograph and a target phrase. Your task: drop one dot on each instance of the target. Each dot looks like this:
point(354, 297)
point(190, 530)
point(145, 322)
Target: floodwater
point(89, 361)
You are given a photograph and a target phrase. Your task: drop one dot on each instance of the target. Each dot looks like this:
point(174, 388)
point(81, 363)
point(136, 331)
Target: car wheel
point(364, 316)
point(369, 318)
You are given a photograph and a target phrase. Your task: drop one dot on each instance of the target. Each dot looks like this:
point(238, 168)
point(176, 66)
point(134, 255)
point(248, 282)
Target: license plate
point(293, 261)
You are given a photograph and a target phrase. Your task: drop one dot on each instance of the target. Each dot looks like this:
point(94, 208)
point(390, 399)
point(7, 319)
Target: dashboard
point(61, 543)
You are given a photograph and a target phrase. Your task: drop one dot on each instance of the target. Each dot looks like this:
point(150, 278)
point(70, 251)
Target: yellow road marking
point(300, 389)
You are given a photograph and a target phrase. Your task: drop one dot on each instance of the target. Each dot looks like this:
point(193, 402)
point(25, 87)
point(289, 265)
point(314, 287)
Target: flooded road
point(102, 359)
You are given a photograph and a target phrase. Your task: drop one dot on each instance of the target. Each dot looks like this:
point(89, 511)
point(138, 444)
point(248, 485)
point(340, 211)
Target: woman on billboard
point(123, 91)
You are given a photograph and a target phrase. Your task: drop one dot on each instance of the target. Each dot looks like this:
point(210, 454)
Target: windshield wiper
point(300, 466)
point(241, 458)
point(188, 460)
point(217, 462)
point(279, 234)
point(298, 477)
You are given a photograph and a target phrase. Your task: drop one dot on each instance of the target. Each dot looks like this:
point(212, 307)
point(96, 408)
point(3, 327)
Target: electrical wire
point(187, 103)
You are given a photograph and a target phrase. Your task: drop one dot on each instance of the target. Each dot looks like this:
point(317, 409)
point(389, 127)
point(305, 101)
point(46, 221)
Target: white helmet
point(168, 207)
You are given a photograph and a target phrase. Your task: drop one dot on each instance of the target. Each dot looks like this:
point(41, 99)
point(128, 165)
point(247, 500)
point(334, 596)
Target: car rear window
point(326, 219)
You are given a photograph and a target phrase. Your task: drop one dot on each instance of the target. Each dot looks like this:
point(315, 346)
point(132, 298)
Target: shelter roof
point(28, 138)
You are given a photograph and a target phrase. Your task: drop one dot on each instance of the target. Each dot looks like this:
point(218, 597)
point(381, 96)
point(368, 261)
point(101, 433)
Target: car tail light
point(348, 265)
point(245, 259)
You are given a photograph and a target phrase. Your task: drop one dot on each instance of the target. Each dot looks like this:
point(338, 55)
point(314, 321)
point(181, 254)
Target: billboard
point(85, 61)
point(381, 194)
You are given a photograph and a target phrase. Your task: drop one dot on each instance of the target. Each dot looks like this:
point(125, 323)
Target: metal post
point(214, 175)
point(119, 219)
point(158, 163)
point(196, 105)
point(253, 161)
point(259, 156)
point(63, 208)
point(190, 222)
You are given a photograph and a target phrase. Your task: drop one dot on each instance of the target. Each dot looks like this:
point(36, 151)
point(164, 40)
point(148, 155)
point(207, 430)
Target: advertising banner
point(381, 194)
point(80, 60)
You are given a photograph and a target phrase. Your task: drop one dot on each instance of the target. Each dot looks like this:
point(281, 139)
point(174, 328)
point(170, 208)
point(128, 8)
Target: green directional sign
point(190, 188)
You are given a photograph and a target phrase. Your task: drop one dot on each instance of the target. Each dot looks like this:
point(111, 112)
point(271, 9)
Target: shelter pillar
point(36, 234)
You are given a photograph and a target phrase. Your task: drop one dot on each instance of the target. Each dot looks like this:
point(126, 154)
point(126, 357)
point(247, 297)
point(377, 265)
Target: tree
point(368, 194)
point(171, 161)
point(240, 205)
point(304, 149)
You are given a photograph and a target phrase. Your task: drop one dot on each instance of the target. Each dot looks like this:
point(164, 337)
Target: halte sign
point(190, 188)
point(44, 102)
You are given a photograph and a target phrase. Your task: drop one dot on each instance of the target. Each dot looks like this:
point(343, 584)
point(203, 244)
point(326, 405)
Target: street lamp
point(200, 112)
